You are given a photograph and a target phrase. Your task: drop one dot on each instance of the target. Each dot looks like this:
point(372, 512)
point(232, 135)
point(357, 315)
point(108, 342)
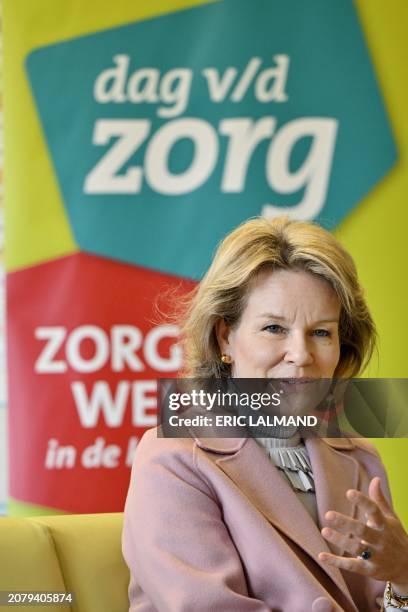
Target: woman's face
point(289, 329)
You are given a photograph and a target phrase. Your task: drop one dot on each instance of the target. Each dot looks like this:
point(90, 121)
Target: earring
point(226, 358)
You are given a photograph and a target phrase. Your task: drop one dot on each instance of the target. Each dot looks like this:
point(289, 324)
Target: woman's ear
point(222, 331)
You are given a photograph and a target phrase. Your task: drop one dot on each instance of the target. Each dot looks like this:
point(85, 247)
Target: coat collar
point(274, 498)
point(232, 445)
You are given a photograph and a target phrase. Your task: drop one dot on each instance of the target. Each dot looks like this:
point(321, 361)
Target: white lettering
point(101, 343)
point(244, 136)
point(120, 345)
point(265, 91)
point(100, 401)
point(45, 362)
point(103, 178)
point(314, 173)
point(175, 87)
point(218, 87)
point(157, 156)
point(146, 93)
point(126, 339)
point(246, 79)
point(142, 402)
point(152, 356)
point(116, 77)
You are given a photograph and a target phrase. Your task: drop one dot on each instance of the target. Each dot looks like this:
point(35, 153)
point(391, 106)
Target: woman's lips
point(296, 385)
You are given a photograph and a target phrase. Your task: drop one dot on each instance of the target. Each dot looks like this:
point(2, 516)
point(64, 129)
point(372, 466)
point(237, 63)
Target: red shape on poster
point(85, 349)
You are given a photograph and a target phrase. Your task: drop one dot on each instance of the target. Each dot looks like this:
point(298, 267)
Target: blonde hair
point(279, 243)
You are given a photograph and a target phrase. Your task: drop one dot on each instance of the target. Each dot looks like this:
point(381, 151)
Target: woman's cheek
point(329, 360)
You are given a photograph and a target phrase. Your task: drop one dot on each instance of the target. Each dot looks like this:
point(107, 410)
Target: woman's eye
point(322, 333)
point(274, 329)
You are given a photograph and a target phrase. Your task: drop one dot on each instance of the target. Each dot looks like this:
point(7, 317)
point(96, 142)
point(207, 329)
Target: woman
point(211, 524)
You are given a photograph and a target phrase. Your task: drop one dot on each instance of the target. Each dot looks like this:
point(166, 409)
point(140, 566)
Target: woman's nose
point(298, 350)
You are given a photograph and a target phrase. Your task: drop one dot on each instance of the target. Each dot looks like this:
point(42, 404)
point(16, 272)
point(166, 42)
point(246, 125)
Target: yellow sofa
point(78, 553)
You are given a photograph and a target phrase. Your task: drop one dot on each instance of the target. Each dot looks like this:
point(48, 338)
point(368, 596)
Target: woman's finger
point(376, 494)
point(369, 506)
point(360, 566)
point(349, 544)
point(347, 525)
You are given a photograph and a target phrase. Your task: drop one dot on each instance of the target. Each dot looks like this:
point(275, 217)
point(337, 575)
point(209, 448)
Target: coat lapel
point(334, 473)
point(248, 466)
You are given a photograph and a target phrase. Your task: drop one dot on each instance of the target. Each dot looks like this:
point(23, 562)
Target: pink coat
point(211, 526)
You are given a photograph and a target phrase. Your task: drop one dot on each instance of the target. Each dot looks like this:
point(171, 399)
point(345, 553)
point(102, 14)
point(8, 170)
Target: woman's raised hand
point(382, 535)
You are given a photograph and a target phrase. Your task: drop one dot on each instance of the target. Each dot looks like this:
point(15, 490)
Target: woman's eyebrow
point(271, 315)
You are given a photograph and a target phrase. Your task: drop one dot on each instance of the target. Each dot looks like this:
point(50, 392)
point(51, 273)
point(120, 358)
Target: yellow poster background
point(375, 233)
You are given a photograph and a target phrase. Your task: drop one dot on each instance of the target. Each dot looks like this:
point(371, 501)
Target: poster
point(143, 135)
